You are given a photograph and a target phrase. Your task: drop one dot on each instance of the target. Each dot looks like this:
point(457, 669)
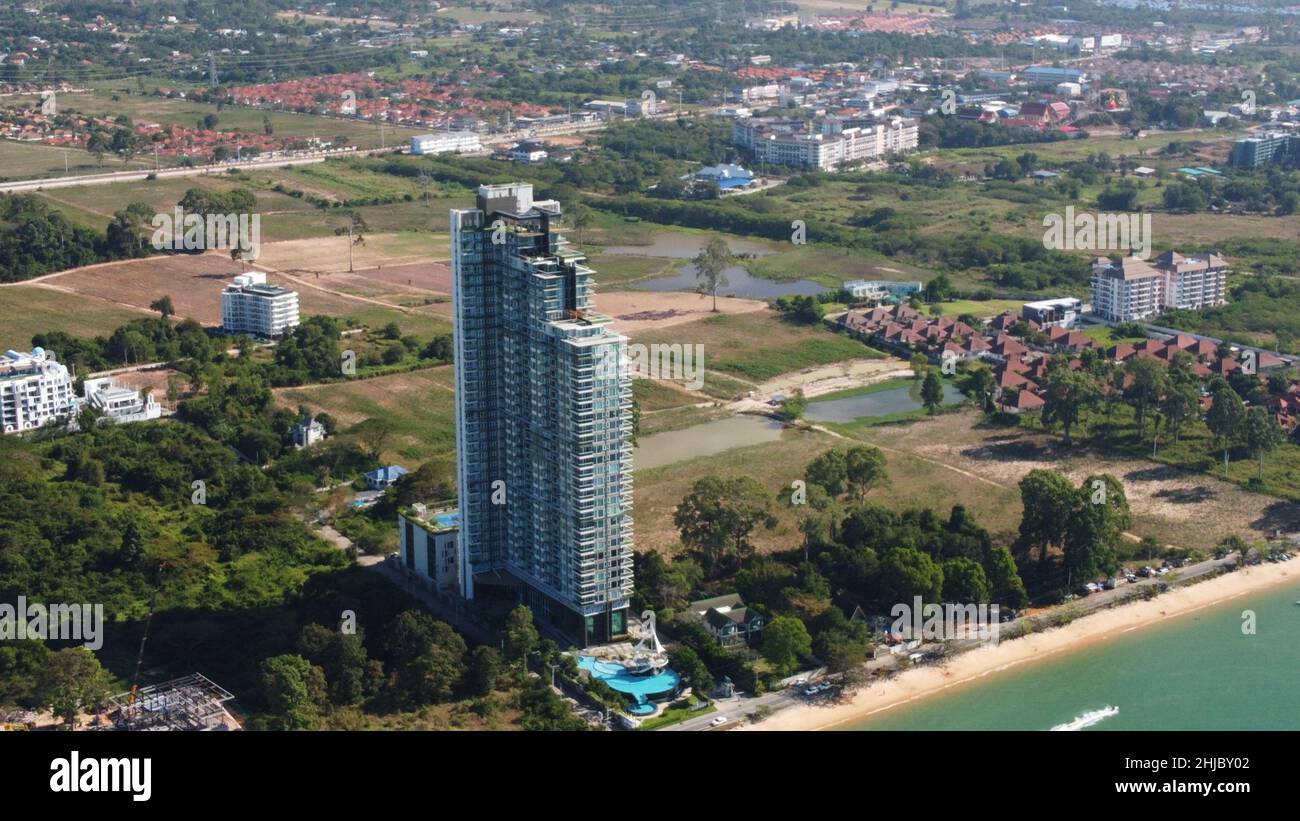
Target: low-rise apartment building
point(828, 146)
point(34, 389)
point(429, 544)
point(251, 306)
point(445, 142)
point(1133, 289)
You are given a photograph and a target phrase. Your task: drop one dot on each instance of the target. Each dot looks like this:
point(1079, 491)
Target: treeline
point(36, 239)
point(948, 131)
point(856, 555)
point(407, 662)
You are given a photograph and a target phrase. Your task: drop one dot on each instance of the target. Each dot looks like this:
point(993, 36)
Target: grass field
point(23, 160)
point(759, 346)
point(27, 310)
point(118, 98)
point(984, 310)
point(418, 405)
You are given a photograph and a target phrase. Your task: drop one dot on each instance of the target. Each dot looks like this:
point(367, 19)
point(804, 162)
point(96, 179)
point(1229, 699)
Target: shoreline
point(972, 666)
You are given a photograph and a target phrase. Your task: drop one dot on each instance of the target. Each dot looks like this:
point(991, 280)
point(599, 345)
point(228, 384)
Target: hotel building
point(543, 420)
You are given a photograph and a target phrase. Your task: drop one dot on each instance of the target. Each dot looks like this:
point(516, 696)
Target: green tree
point(71, 682)
point(932, 393)
point(295, 690)
point(906, 573)
point(521, 634)
point(692, 668)
point(1149, 383)
point(710, 265)
point(1006, 587)
point(1180, 405)
point(785, 641)
point(1226, 418)
point(484, 670)
point(1066, 396)
point(964, 581)
point(1048, 499)
point(1263, 434)
point(718, 515)
point(164, 306)
point(865, 468)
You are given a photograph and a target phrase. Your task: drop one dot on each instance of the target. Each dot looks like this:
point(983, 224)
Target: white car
point(718, 722)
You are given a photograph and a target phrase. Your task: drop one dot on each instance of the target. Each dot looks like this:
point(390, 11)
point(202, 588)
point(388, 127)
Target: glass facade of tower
point(543, 418)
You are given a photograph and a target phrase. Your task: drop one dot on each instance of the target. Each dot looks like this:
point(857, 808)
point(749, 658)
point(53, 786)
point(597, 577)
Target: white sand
point(968, 667)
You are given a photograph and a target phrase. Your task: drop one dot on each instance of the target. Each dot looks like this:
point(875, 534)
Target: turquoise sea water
point(1194, 672)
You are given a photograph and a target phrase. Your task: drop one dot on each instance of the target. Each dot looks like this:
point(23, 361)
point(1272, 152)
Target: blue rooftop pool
point(643, 689)
point(447, 519)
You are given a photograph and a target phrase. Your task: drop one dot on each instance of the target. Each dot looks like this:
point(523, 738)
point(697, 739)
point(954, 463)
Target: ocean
point(1197, 671)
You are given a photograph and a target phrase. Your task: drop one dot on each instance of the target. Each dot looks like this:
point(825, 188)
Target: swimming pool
point(644, 689)
point(447, 519)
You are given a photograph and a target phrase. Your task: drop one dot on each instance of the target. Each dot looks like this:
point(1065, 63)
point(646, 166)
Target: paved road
point(306, 158)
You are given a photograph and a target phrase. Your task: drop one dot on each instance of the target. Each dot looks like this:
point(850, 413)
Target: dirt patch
point(154, 380)
point(330, 254)
point(636, 312)
point(194, 282)
point(1176, 507)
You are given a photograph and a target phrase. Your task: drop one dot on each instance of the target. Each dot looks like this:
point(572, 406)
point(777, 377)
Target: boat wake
point(1088, 719)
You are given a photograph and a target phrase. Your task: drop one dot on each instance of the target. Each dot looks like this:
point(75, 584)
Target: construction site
point(191, 702)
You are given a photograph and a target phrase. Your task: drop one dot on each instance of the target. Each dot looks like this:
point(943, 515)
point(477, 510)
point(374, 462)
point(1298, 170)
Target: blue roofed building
point(727, 176)
point(381, 478)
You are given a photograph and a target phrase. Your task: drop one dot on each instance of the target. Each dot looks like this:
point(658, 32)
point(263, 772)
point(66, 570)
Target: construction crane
point(148, 619)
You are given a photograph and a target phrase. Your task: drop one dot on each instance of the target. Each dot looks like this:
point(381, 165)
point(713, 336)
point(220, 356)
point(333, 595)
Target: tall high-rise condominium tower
point(543, 419)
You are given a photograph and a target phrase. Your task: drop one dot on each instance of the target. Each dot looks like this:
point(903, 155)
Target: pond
point(740, 282)
point(705, 439)
point(880, 403)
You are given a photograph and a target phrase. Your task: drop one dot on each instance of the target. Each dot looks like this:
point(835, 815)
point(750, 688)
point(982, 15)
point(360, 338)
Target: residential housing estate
point(543, 420)
point(1133, 289)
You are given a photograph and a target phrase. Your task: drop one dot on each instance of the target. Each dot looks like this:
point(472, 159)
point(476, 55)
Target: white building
point(460, 142)
point(784, 143)
point(527, 152)
point(881, 289)
point(1125, 291)
point(34, 389)
point(1199, 281)
point(307, 432)
point(1050, 313)
point(120, 403)
point(1134, 289)
point(250, 306)
point(429, 544)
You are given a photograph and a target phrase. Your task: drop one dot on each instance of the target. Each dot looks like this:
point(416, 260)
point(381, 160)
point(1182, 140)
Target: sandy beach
point(971, 666)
